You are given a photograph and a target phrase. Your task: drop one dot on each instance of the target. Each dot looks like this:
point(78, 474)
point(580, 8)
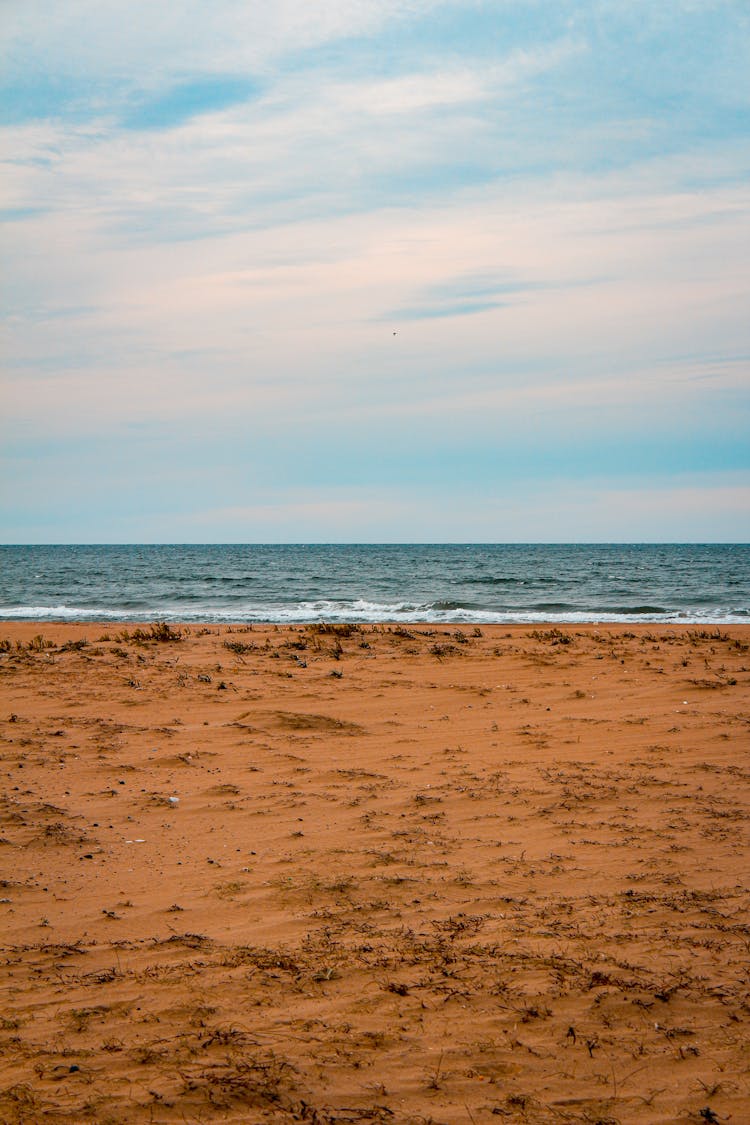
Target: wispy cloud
point(465, 307)
point(466, 296)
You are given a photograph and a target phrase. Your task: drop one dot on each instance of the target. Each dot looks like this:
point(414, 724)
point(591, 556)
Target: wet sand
point(374, 874)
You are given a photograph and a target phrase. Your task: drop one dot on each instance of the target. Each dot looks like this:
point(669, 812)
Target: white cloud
point(146, 42)
point(601, 292)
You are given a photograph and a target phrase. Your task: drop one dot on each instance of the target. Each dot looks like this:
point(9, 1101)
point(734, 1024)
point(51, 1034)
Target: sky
point(375, 271)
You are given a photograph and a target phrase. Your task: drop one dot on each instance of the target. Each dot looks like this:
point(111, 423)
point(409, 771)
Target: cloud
point(108, 41)
point(465, 296)
point(445, 309)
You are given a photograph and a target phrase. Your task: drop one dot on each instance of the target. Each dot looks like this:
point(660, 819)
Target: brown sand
point(413, 875)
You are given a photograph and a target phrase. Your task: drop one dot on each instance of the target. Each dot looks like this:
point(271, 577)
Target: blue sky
point(375, 270)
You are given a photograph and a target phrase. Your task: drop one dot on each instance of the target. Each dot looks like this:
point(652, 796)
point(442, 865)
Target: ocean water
point(471, 583)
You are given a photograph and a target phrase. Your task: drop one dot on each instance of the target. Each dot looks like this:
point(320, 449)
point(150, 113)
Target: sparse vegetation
point(324, 629)
point(160, 632)
point(39, 644)
point(239, 648)
point(551, 636)
point(74, 646)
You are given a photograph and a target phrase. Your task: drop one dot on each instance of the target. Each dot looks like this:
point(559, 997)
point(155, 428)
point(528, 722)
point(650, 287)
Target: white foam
point(359, 610)
point(68, 613)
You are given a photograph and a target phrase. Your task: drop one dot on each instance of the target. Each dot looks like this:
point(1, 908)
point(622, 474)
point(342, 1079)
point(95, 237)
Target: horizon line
point(397, 543)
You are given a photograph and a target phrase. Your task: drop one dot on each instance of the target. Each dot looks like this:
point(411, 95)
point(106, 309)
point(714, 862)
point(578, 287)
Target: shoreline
point(188, 624)
point(374, 872)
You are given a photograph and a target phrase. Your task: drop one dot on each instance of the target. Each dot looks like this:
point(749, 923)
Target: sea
point(441, 583)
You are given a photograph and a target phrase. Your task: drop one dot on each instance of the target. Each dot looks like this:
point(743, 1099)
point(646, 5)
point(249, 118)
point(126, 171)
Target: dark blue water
point(440, 583)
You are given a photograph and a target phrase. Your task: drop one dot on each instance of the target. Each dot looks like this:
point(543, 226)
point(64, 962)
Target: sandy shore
point(375, 874)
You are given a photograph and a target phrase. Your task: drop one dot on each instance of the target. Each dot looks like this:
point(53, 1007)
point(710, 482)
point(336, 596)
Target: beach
point(374, 873)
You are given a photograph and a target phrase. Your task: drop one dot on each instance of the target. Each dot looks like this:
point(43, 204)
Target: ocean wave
point(638, 610)
point(68, 613)
point(553, 607)
point(371, 612)
point(450, 606)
